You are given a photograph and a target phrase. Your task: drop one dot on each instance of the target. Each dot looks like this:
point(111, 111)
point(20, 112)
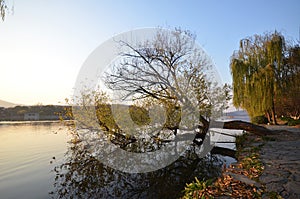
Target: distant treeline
point(38, 112)
point(104, 114)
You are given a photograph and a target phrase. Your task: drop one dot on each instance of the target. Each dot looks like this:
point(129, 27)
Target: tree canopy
point(256, 68)
point(169, 70)
point(288, 103)
point(175, 93)
point(3, 9)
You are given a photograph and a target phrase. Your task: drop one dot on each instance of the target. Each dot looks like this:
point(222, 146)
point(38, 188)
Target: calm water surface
point(26, 150)
point(36, 159)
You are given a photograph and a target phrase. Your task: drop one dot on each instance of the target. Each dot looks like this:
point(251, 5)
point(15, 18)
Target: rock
point(295, 177)
point(293, 187)
point(244, 179)
point(273, 178)
point(282, 162)
point(276, 187)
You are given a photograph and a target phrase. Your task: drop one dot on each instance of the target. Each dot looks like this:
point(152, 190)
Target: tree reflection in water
point(84, 176)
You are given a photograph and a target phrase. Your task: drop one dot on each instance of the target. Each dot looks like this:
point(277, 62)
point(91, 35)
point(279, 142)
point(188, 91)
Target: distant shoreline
point(29, 122)
point(34, 113)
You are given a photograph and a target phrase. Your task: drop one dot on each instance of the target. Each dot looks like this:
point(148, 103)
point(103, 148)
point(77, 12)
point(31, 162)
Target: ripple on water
point(25, 154)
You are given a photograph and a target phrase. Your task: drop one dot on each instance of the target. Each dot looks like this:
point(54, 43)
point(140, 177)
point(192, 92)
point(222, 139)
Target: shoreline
point(266, 167)
point(30, 122)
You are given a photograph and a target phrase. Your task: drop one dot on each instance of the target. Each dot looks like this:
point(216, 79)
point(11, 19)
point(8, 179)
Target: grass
point(198, 189)
point(273, 195)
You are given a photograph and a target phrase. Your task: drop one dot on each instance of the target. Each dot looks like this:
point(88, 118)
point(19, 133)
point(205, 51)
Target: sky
point(43, 44)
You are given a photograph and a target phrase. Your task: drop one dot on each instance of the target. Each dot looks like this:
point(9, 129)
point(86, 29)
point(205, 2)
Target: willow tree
point(3, 9)
point(256, 70)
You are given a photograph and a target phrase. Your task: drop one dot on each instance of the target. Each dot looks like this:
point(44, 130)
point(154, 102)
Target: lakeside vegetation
point(266, 76)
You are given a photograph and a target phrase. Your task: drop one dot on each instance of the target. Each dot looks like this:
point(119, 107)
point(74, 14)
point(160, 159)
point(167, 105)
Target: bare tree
point(173, 71)
point(168, 72)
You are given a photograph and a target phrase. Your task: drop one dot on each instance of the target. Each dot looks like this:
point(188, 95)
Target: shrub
point(290, 121)
point(293, 122)
point(283, 118)
point(260, 119)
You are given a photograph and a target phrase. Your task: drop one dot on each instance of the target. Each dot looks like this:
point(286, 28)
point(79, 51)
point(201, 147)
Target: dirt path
point(282, 162)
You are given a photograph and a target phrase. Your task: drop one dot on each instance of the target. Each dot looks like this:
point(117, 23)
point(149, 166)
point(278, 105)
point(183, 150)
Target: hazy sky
point(44, 43)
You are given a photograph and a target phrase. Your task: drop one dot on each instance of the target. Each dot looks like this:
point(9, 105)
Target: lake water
point(38, 161)
point(26, 150)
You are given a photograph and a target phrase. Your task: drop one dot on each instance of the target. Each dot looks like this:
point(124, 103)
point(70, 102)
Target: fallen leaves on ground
point(249, 165)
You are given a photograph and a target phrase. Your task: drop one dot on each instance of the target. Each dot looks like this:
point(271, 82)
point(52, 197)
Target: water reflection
point(84, 176)
point(25, 151)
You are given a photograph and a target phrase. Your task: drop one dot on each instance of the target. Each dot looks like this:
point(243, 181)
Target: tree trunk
point(273, 116)
point(268, 116)
point(241, 125)
point(273, 112)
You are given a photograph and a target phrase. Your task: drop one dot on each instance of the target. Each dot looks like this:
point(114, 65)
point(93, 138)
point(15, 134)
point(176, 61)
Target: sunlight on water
point(26, 150)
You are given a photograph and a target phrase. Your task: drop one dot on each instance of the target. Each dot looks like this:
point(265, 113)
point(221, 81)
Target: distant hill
point(6, 104)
